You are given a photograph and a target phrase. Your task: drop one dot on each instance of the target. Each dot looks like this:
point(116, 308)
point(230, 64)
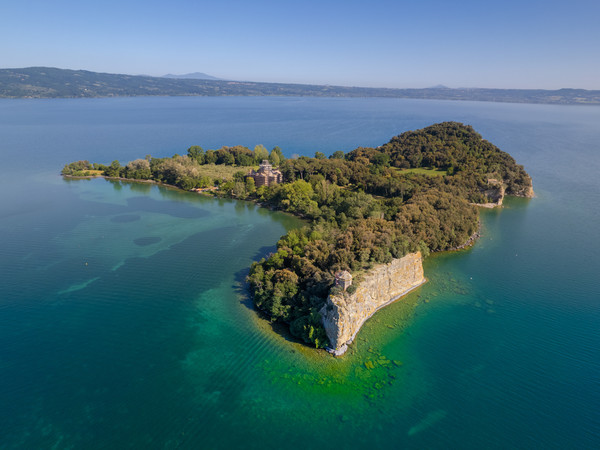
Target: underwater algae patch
point(382, 370)
point(368, 372)
point(147, 240)
point(126, 218)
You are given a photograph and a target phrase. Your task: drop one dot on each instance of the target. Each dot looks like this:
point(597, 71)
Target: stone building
point(266, 175)
point(343, 279)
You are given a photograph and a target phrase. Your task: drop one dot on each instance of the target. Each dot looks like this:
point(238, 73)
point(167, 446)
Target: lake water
point(124, 323)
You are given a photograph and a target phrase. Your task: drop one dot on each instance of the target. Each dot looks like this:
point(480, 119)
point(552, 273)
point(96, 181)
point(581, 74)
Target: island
point(372, 215)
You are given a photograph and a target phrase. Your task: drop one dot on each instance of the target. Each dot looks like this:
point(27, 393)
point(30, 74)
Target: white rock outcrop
point(344, 314)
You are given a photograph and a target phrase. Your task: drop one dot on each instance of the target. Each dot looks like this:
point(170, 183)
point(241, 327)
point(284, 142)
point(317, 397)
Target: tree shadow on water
point(241, 288)
point(240, 285)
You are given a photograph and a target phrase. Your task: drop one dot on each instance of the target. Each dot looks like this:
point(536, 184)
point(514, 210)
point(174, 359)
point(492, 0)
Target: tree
point(225, 157)
point(78, 168)
point(187, 183)
point(260, 153)
point(244, 160)
point(250, 185)
point(239, 175)
point(205, 182)
point(114, 170)
point(196, 153)
point(210, 157)
point(138, 169)
point(297, 197)
point(276, 153)
point(381, 159)
point(338, 154)
point(239, 190)
point(319, 155)
point(274, 158)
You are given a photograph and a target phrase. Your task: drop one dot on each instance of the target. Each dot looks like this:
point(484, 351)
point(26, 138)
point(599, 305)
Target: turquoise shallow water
point(124, 324)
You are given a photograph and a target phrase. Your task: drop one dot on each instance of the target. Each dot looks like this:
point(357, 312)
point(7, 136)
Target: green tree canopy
point(260, 153)
point(197, 153)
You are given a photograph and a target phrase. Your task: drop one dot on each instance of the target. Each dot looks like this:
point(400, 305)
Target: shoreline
point(469, 242)
point(139, 180)
point(344, 347)
point(214, 192)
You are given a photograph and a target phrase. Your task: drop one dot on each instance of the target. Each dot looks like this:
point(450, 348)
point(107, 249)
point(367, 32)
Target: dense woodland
point(363, 208)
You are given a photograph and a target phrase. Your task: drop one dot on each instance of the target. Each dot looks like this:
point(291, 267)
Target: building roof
point(343, 275)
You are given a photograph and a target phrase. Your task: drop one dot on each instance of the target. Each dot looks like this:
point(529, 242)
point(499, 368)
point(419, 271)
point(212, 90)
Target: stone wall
point(344, 314)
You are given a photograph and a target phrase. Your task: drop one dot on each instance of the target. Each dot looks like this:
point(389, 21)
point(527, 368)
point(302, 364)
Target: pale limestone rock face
point(496, 194)
point(344, 314)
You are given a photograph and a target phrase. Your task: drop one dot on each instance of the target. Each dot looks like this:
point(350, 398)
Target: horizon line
point(439, 86)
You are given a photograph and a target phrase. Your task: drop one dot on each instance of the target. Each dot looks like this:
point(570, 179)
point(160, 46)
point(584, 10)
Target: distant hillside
point(191, 76)
point(47, 82)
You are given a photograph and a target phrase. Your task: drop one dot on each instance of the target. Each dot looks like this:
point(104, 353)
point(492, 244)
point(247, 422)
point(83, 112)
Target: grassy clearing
point(425, 171)
point(88, 173)
point(220, 172)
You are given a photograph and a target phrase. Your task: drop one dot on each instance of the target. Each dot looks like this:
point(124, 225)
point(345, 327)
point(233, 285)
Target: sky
point(398, 44)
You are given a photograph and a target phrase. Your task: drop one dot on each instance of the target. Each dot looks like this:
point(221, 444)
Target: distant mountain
point(191, 76)
point(48, 82)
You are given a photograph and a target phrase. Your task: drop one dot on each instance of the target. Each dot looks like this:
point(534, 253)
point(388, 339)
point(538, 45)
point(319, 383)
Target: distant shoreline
point(50, 82)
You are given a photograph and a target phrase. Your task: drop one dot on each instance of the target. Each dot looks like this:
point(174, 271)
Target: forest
point(362, 208)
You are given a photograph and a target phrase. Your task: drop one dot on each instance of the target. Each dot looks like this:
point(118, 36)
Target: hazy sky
point(419, 43)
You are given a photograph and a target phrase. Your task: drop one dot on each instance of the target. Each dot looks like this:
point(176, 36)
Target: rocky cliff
point(497, 190)
point(345, 313)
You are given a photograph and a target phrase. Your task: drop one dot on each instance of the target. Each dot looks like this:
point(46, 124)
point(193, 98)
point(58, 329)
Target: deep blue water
point(123, 320)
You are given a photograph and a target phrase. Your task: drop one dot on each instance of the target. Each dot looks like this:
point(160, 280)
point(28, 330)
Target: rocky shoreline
point(497, 192)
point(344, 314)
point(344, 347)
point(469, 241)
